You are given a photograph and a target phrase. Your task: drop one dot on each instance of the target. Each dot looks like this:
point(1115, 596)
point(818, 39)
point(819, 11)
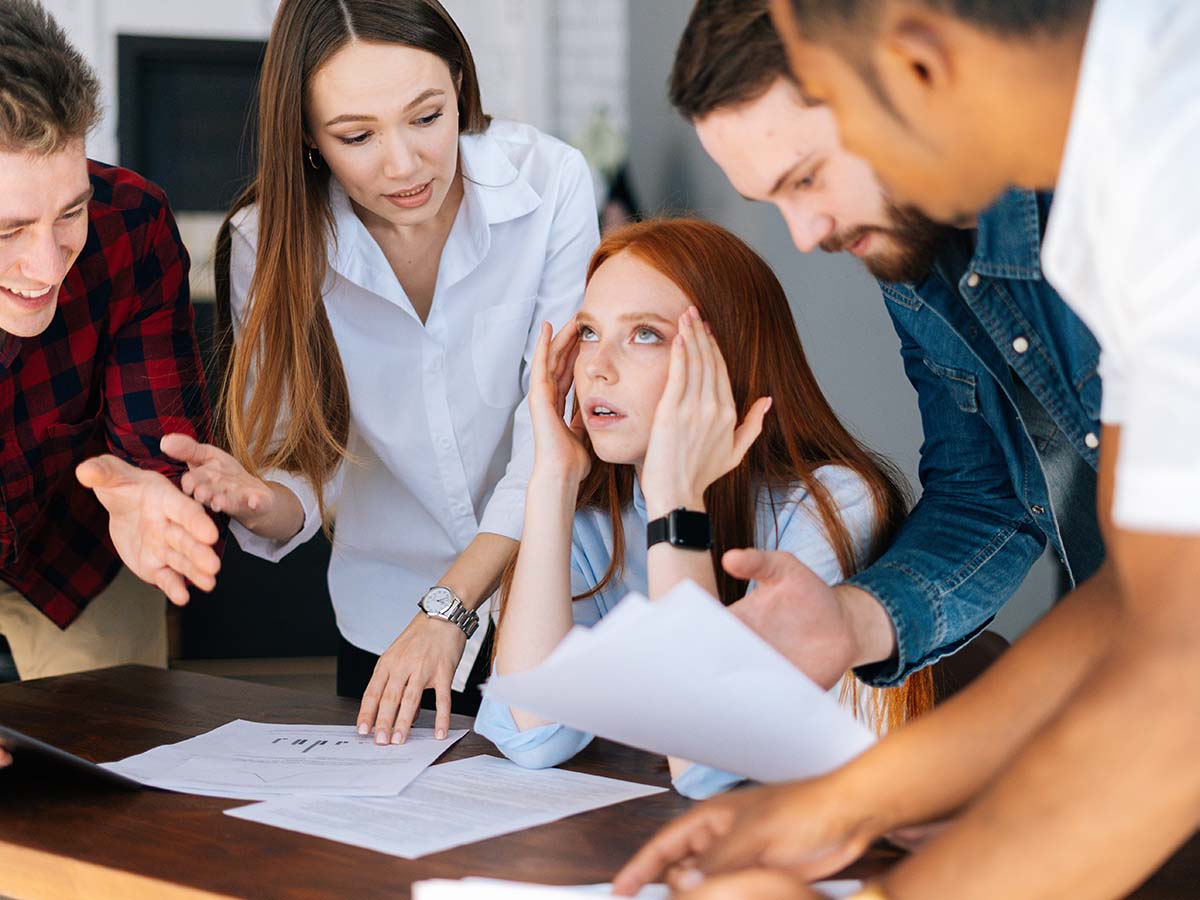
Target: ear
point(916, 55)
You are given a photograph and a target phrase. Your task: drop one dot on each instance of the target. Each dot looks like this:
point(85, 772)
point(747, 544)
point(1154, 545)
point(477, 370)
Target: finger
point(762, 566)
point(200, 560)
point(102, 472)
point(676, 373)
point(706, 353)
point(541, 355)
point(747, 433)
point(368, 708)
point(389, 703)
point(189, 513)
point(172, 584)
point(185, 448)
point(441, 720)
point(724, 387)
point(685, 837)
point(5, 758)
point(695, 366)
point(409, 707)
point(570, 357)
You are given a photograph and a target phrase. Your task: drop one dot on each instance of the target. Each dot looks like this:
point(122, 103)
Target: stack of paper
point(258, 761)
point(684, 677)
point(456, 803)
point(492, 889)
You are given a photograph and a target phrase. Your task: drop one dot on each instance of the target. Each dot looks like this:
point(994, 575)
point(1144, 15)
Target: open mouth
point(417, 191)
point(34, 298)
point(601, 413)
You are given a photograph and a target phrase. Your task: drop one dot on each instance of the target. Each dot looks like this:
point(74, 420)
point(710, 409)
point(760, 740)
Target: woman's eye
point(586, 334)
point(646, 336)
point(426, 121)
point(806, 182)
point(356, 138)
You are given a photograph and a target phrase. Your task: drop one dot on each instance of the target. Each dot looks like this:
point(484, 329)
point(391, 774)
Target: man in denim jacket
point(1005, 373)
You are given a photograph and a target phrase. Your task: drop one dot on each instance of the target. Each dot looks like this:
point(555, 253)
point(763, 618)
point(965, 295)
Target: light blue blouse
point(787, 520)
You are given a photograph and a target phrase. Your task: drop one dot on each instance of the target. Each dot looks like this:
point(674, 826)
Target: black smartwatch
point(681, 528)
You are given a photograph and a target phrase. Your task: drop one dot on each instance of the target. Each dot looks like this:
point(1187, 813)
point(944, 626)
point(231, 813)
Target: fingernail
point(364, 729)
point(441, 734)
point(689, 878)
point(381, 737)
point(770, 403)
point(397, 738)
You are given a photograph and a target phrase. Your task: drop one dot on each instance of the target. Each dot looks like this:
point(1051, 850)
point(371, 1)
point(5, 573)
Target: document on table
point(684, 677)
point(259, 761)
point(452, 804)
point(494, 889)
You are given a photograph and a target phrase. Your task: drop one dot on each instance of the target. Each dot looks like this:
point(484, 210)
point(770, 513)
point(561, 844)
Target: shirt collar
point(1009, 238)
point(498, 186)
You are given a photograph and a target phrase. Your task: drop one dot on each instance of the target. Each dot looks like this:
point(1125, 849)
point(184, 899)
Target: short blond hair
point(49, 95)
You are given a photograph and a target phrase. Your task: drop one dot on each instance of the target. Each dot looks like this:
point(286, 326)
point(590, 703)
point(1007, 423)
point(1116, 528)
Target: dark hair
point(286, 359)
point(49, 95)
point(1007, 17)
point(729, 54)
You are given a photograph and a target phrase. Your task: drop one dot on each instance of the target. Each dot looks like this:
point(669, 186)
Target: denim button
point(1038, 509)
point(1091, 440)
point(973, 280)
point(1020, 345)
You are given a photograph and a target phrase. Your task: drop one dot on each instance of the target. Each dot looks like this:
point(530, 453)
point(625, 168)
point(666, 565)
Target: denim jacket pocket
point(960, 384)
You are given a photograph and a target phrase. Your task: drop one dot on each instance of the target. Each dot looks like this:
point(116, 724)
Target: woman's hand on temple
point(558, 448)
point(219, 482)
point(695, 438)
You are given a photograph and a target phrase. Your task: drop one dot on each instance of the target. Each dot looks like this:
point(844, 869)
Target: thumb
point(183, 447)
point(101, 472)
point(747, 433)
point(759, 565)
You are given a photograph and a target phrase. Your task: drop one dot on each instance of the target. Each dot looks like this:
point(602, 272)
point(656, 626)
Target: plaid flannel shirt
point(117, 369)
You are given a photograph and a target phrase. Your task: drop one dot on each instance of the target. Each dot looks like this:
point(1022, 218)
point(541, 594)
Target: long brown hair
point(739, 296)
point(286, 364)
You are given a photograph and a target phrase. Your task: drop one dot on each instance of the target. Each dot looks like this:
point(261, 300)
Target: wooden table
point(69, 839)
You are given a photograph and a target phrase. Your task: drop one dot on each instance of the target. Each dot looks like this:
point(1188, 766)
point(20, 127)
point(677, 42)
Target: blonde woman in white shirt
point(388, 271)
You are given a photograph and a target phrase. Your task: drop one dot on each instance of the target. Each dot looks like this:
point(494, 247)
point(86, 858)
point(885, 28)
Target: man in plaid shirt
point(98, 362)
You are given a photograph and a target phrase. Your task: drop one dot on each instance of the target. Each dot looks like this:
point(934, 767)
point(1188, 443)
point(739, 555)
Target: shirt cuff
point(1156, 499)
point(274, 551)
point(534, 748)
point(698, 782)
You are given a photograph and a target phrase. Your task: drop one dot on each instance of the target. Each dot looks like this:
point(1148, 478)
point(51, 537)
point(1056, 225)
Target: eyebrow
point(786, 176)
point(9, 224)
point(585, 319)
point(363, 117)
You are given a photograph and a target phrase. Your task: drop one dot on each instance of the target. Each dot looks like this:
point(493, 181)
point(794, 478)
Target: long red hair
point(743, 302)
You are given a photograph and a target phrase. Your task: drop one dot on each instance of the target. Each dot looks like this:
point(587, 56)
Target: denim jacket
point(985, 514)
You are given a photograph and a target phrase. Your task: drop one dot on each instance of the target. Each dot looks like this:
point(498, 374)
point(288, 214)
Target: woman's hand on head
point(219, 482)
point(695, 437)
point(559, 449)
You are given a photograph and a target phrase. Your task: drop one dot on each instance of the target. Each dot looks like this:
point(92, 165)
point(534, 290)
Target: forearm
point(475, 575)
point(1096, 801)
point(934, 765)
point(284, 518)
point(537, 612)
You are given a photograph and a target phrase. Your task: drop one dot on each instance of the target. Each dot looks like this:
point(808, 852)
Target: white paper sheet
point(452, 804)
point(259, 761)
point(494, 889)
point(682, 676)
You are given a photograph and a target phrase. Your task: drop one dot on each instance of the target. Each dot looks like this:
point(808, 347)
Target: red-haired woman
point(684, 332)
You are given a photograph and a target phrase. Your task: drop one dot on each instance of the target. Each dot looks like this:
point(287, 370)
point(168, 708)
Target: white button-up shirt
point(440, 440)
point(1122, 247)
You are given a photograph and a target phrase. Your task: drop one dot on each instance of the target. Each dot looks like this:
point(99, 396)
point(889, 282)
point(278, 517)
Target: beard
point(913, 243)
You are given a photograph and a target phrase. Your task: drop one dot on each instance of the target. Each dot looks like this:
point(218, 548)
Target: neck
point(1045, 77)
point(433, 229)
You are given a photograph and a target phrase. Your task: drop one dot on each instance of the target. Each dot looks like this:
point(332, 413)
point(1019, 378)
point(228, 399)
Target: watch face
point(436, 601)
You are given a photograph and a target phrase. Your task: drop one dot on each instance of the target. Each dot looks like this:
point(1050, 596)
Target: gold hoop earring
point(312, 158)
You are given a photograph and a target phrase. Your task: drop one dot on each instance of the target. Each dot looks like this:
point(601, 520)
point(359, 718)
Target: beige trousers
point(126, 623)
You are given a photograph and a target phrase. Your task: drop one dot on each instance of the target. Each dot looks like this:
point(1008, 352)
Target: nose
point(807, 228)
point(598, 364)
point(45, 260)
point(401, 161)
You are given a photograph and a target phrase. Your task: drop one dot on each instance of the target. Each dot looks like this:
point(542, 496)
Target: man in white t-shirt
point(1070, 767)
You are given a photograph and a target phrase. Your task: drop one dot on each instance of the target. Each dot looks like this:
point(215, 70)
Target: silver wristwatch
point(441, 603)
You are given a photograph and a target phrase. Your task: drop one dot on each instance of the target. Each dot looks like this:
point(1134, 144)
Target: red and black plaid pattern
point(116, 370)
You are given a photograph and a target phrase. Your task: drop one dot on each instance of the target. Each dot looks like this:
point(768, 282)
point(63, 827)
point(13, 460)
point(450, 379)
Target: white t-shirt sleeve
point(1154, 235)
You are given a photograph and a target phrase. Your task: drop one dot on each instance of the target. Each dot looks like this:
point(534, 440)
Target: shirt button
point(1037, 509)
point(1091, 440)
point(444, 443)
point(973, 280)
point(1020, 345)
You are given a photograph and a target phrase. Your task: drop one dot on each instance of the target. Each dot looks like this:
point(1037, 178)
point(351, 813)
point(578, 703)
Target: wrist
point(660, 501)
point(872, 631)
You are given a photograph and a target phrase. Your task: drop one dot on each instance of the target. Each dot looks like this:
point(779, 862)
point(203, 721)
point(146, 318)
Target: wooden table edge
point(29, 873)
